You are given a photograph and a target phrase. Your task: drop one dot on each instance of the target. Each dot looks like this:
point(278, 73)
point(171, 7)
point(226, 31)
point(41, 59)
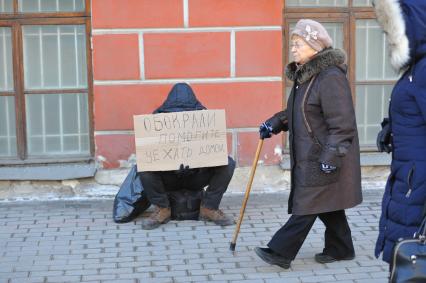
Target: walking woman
point(404, 200)
point(324, 149)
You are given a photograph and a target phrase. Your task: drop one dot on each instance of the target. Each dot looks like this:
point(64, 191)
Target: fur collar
point(323, 60)
point(390, 16)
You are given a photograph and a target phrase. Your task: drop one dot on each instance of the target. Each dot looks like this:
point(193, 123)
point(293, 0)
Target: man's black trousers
point(338, 240)
point(157, 184)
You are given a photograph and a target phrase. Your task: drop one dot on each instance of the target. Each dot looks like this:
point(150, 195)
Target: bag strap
point(424, 210)
point(305, 119)
point(421, 233)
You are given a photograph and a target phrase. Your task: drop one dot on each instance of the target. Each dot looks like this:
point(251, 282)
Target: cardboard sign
point(193, 138)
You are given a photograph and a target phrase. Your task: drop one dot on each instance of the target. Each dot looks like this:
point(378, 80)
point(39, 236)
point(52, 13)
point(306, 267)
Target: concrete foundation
point(106, 184)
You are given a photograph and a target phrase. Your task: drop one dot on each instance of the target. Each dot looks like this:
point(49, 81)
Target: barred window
point(36, 6)
point(374, 79)
point(316, 3)
point(45, 81)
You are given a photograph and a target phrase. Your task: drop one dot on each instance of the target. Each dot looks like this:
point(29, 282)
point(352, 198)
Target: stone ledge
point(106, 183)
point(60, 171)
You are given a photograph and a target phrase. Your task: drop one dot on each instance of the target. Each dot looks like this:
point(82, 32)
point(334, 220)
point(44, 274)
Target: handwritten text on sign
point(193, 138)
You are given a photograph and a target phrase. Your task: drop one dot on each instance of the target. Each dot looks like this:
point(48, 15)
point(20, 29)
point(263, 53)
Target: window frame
point(348, 16)
point(19, 15)
point(16, 21)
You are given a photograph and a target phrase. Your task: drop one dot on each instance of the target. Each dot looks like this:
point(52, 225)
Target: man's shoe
point(325, 258)
point(161, 215)
point(269, 256)
point(215, 215)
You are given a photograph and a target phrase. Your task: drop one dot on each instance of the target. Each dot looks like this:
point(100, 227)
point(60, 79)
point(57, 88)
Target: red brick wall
point(229, 51)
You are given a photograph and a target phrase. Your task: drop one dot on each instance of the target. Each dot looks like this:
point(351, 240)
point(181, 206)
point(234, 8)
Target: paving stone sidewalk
point(77, 241)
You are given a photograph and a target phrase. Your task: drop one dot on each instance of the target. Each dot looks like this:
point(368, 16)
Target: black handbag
point(409, 258)
point(185, 204)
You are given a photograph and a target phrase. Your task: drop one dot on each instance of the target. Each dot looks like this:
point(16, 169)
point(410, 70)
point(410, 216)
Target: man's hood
point(180, 98)
point(404, 22)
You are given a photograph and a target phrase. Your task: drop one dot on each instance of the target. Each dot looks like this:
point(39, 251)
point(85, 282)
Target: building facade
point(74, 72)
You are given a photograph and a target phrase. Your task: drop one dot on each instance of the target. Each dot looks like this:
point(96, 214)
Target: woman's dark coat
point(322, 127)
point(405, 193)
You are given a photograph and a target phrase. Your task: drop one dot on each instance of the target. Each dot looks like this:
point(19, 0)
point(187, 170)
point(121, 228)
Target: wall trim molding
point(189, 81)
point(184, 30)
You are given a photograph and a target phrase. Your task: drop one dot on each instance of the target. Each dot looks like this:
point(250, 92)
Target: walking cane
point(246, 196)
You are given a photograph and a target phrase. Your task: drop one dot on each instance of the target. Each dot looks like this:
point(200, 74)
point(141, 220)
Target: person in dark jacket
point(157, 184)
point(324, 149)
point(404, 133)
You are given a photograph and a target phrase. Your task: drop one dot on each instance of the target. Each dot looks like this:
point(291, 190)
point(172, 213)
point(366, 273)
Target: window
point(316, 3)
point(36, 6)
point(45, 81)
point(353, 27)
point(7, 103)
point(374, 79)
point(6, 6)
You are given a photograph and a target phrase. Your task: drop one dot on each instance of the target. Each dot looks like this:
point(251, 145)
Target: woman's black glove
point(384, 137)
point(327, 168)
point(265, 130)
point(274, 125)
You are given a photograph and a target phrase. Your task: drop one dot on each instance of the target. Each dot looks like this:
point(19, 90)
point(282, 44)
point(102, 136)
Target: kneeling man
point(158, 183)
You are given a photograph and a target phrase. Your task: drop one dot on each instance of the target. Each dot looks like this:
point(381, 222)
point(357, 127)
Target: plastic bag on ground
point(131, 199)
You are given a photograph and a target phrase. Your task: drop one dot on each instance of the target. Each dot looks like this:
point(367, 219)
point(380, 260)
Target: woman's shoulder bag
point(409, 258)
